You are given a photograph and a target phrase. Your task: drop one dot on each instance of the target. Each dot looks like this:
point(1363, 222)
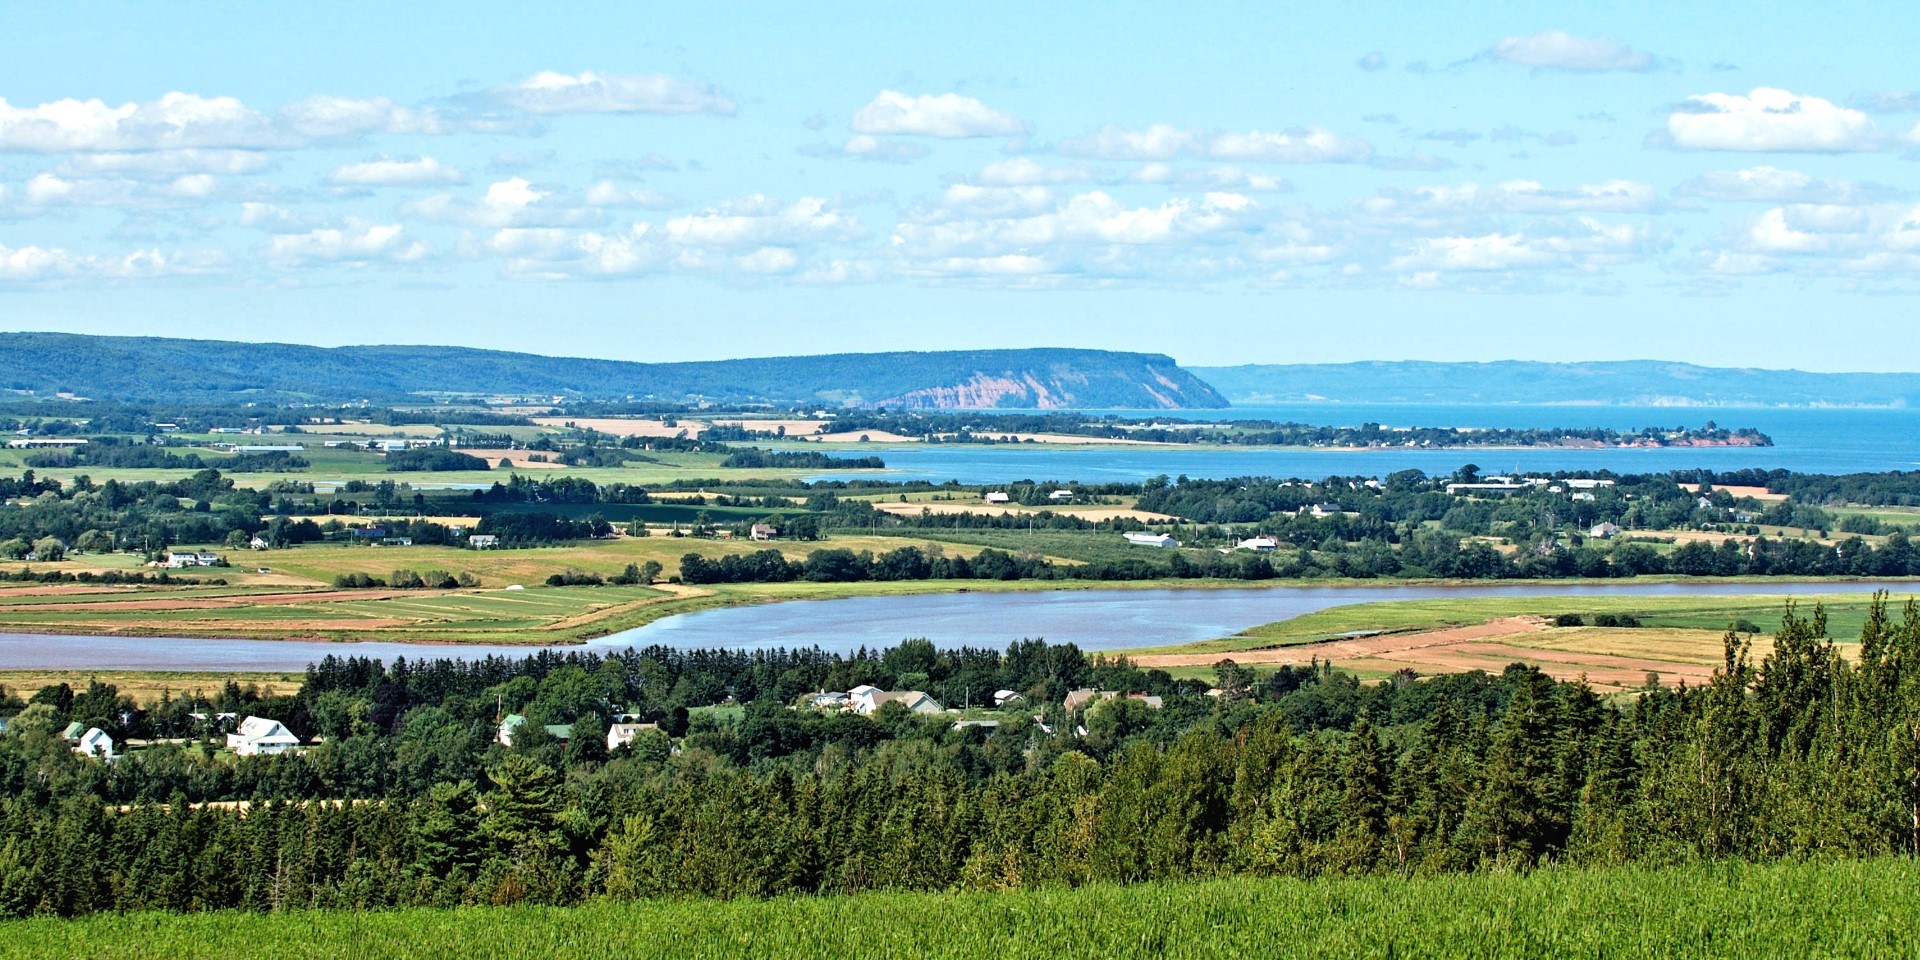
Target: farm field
point(1848, 908)
point(147, 686)
point(1679, 639)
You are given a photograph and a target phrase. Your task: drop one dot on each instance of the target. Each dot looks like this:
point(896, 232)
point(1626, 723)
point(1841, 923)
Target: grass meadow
point(1821, 909)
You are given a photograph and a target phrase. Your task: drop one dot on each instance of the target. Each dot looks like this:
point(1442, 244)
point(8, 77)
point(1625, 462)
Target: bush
point(1569, 620)
point(1606, 620)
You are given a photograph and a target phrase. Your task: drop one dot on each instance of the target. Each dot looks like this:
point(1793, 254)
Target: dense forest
point(1306, 772)
point(154, 368)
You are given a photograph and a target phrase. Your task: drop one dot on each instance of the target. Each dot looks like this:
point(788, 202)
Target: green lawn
point(1826, 909)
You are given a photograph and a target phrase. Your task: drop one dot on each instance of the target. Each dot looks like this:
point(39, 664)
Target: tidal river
point(1094, 619)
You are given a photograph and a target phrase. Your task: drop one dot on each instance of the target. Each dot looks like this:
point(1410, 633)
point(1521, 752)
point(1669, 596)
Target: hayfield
point(1827, 909)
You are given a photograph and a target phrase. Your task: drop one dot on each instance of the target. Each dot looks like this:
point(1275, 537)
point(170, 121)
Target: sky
point(1722, 183)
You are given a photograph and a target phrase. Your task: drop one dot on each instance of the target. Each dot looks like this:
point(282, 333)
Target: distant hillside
point(152, 368)
point(1632, 382)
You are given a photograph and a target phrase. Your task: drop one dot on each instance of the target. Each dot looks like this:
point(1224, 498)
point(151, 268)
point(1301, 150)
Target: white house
point(483, 541)
point(1604, 530)
point(913, 700)
point(192, 558)
point(258, 543)
point(258, 735)
point(998, 497)
point(1258, 544)
point(1152, 540)
point(1003, 697)
point(1058, 495)
point(1327, 510)
point(762, 531)
point(829, 701)
point(45, 442)
point(94, 743)
point(1587, 484)
point(621, 734)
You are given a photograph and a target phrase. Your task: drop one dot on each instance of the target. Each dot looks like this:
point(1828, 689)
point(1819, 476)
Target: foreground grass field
point(1848, 909)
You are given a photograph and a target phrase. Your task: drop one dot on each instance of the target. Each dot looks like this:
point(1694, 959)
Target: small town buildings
point(621, 734)
point(914, 700)
point(998, 496)
point(94, 743)
point(192, 558)
point(483, 541)
point(259, 735)
point(1258, 544)
point(1152, 540)
point(762, 531)
point(1604, 530)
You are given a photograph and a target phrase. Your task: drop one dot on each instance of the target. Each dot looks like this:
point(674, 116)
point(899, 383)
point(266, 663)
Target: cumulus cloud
point(1209, 178)
point(164, 164)
point(606, 193)
point(549, 92)
point(1166, 142)
point(1558, 50)
point(417, 172)
point(1513, 196)
point(1769, 120)
point(1374, 60)
point(355, 242)
point(513, 202)
point(948, 115)
point(1025, 171)
point(45, 192)
point(1820, 239)
point(1581, 244)
point(1772, 184)
point(175, 121)
point(861, 146)
point(760, 221)
point(34, 263)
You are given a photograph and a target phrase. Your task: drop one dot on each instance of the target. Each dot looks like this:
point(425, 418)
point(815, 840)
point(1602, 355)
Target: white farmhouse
point(94, 743)
point(1152, 540)
point(259, 735)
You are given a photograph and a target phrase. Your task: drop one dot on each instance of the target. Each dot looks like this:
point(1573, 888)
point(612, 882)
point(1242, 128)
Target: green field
point(1830, 909)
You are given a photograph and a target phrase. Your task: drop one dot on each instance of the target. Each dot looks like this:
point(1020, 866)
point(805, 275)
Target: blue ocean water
point(1817, 440)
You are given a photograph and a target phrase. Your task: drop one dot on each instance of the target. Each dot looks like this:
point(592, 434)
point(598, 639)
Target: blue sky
point(1227, 183)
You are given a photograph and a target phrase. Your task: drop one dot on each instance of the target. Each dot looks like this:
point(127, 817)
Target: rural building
point(1058, 495)
point(1328, 510)
point(258, 543)
point(269, 448)
point(1258, 544)
point(1152, 540)
point(829, 701)
point(483, 541)
point(94, 743)
point(1087, 695)
point(621, 734)
point(259, 735)
point(1588, 484)
point(192, 558)
point(504, 736)
point(27, 442)
point(1003, 697)
point(1604, 530)
point(73, 731)
point(1479, 489)
point(762, 531)
point(914, 700)
point(998, 497)
point(987, 725)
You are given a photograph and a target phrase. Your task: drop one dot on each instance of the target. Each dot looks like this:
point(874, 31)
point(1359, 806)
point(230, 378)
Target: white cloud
point(1209, 178)
point(418, 172)
point(759, 221)
point(1089, 218)
point(48, 191)
point(1557, 50)
point(1583, 244)
point(1770, 119)
point(33, 263)
point(1772, 184)
point(861, 146)
point(513, 202)
point(164, 164)
point(1165, 142)
point(606, 193)
point(356, 242)
point(175, 121)
point(1024, 171)
point(949, 115)
point(767, 260)
point(995, 201)
point(1513, 196)
point(1820, 239)
point(555, 93)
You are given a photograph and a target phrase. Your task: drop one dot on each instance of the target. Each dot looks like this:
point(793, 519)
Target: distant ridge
point(1627, 382)
point(155, 368)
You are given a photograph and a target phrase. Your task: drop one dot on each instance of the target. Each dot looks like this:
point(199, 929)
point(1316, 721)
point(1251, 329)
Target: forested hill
point(1636, 382)
point(152, 368)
